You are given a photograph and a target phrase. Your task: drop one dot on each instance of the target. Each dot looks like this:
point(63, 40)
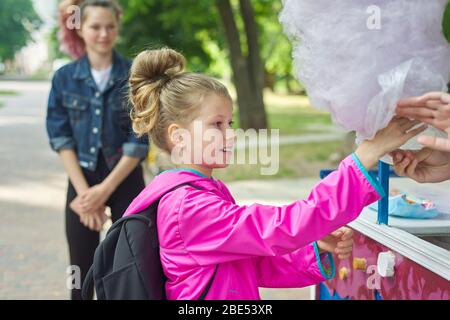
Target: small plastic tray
point(412, 208)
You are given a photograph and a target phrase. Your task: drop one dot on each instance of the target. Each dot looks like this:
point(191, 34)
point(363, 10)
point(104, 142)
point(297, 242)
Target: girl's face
point(99, 30)
point(209, 139)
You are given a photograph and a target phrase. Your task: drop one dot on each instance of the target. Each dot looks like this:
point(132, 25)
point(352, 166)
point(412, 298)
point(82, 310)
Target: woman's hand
point(76, 206)
point(426, 165)
point(397, 133)
point(94, 220)
point(432, 108)
point(339, 242)
point(94, 197)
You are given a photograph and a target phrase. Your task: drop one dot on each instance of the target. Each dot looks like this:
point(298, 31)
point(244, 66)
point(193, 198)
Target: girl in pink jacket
point(202, 231)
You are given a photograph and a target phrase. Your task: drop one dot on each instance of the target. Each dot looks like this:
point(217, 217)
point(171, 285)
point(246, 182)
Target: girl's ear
point(175, 136)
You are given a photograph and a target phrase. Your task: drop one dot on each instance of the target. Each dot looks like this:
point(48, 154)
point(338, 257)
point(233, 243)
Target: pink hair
point(70, 41)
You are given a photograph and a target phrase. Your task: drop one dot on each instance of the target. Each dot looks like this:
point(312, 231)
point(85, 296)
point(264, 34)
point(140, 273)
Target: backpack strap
point(208, 286)
point(138, 216)
point(88, 282)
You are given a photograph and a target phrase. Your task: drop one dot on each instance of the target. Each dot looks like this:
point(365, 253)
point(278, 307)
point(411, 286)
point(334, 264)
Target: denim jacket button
point(97, 112)
point(92, 150)
point(95, 130)
point(97, 94)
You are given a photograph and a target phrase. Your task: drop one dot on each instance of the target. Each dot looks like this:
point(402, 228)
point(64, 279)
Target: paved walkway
point(33, 255)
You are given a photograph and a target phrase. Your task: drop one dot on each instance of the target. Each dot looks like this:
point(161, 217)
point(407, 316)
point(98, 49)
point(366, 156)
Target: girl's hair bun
point(151, 69)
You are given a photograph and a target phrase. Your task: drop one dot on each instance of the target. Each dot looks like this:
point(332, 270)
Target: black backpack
point(127, 264)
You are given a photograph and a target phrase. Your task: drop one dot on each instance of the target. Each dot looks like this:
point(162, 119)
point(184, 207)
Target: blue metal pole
point(383, 204)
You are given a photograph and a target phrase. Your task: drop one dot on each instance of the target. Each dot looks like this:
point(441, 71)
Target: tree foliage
point(18, 20)
point(446, 22)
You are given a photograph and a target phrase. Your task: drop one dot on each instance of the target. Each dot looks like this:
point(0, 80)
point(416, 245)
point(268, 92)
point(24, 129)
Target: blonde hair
point(162, 93)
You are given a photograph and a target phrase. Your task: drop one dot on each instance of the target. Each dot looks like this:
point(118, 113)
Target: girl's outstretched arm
point(214, 230)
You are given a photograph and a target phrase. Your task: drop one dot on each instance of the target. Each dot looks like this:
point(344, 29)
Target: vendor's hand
point(432, 108)
point(95, 197)
point(339, 242)
point(426, 165)
point(397, 133)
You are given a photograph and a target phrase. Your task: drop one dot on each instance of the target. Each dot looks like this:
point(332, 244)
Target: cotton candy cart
point(393, 258)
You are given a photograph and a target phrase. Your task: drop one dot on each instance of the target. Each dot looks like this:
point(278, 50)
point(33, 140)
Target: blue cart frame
point(383, 173)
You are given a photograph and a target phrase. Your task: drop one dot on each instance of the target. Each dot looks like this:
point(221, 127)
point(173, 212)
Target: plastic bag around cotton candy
point(358, 72)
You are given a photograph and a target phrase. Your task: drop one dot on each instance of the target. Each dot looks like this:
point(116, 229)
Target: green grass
point(300, 121)
point(295, 121)
point(8, 92)
point(292, 114)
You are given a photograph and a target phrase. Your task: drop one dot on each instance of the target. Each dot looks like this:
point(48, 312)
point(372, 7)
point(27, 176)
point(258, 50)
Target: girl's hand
point(95, 197)
point(95, 220)
point(397, 133)
point(76, 206)
point(339, 242)
point(432, 108)
point(426, 165)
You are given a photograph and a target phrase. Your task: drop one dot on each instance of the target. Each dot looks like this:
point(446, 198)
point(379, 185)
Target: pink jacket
point(253, 246)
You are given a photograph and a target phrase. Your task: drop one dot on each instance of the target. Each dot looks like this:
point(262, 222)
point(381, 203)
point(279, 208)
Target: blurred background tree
point(207, 33)
point(18, 20)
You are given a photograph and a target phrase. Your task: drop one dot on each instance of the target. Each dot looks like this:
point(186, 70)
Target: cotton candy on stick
point(357, 58)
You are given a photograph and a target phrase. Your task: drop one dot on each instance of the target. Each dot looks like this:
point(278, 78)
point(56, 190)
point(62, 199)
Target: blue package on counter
point(408, 207)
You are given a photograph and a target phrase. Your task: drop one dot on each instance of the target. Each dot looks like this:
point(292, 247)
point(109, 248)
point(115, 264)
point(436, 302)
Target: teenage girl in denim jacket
point(88, 125)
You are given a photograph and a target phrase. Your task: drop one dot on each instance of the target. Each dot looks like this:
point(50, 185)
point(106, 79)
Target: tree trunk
point(247, 71)
point(287, 79)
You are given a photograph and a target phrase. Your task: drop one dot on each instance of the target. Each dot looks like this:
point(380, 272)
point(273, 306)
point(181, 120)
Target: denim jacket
point(82, 118)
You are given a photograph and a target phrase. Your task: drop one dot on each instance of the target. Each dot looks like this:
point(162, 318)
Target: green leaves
point(446, 23)
point(178, 24)
point(18, 20)
point(194, 28)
